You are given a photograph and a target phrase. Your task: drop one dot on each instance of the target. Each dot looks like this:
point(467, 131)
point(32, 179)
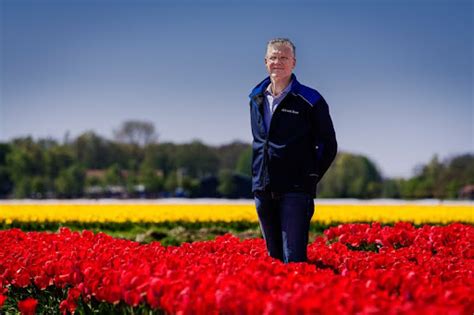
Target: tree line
point(134, 164)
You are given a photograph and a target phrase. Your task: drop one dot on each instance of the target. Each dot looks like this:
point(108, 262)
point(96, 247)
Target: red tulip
point(2, 300)
point(28, 306)
point(354, 268)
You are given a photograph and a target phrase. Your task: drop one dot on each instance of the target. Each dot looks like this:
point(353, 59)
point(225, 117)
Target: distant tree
point(197, 160)
point(131, 183)
point(94, 181)
point(5, 148)
point(458, 172)
point(391, 188)
point(244, 163)
point(26, 158)
point(70, 182)
point(46, 143)
point(44, 168)
point(140, 133)
point(232, 185)
point(407, 188)
point(207, 187)
point(92, 151)
point(440, 180)
point(39, 187)
point(56, 159)
point(23, 188)
point(152, 182)
point(423, 183)
point(351, 176)
point(127, 156)
point(227, 187)
point(161, 157)
point(452, 189)
point(171, 182)
point(6, 183)
point(190, 186)
point(229, 154)
point(24, 162)
point(113, 175)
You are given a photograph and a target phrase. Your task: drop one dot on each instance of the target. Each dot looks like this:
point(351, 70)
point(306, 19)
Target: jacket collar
point(262, 86)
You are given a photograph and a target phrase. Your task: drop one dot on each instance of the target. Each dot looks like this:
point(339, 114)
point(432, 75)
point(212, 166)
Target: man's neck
point(279, 85)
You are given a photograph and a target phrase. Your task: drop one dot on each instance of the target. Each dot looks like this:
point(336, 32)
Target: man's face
point(280, 61)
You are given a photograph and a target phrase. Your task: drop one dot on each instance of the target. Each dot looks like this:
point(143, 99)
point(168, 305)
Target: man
point(293, 145)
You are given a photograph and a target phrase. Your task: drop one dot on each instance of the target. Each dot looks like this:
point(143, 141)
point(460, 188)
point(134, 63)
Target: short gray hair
point(282, 41)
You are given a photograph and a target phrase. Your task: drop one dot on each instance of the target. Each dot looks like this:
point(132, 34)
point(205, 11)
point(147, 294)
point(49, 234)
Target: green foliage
point(226, 185)
point(39, 186)
point(148, 177)
point(351, 176)
point(5, 148)
point(94, 181)
point(207, 187)
point(6, 184)
point(57, 158)
point(171, 182)
point(190, 185)
point(23, 188)
point(161, 157)
point(26, 168)
point(229, 154)
point(391, 188)
point(244, 163)
point(232, 185)
point(197, 160)
point(45, 168)
point(137, 133)
point(50, 298)
point(167, 233)
point(91, 150)
point(440, 180)
point(25, 159)
point(70, 182)
point(113, 175)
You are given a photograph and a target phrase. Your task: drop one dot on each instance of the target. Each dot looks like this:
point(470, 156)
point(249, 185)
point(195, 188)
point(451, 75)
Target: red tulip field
point(352, 269)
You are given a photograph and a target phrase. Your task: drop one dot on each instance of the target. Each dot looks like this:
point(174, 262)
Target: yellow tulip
point(161, 212)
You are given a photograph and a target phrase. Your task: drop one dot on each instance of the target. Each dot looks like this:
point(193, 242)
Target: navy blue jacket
point(300, 143)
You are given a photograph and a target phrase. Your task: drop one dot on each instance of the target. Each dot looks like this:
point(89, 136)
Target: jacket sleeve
point(324, 136)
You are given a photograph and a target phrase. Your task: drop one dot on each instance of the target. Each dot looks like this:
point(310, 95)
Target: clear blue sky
point(397, 74)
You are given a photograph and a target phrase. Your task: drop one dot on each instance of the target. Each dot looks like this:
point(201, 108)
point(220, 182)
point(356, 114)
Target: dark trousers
point(284, 220)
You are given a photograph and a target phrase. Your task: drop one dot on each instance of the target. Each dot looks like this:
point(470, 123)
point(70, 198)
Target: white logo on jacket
point(290, 111)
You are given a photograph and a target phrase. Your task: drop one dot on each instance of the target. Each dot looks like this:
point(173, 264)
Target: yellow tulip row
point(324, 213)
